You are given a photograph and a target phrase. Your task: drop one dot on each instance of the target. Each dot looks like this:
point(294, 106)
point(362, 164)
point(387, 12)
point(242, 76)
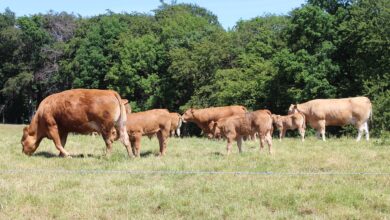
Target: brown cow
point(149, 123)
point(336, 112)
point(81, 111)
point(176, 122)
point(237, 126)
point(203, 117)
point(290, 122)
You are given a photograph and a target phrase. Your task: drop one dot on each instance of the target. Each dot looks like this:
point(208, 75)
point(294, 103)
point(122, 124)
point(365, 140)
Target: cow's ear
point(25, 130)
point(124, 101)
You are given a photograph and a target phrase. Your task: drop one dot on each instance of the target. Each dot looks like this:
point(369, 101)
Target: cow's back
point(148, 122)
point(216, 113)
point(80, 110)
point(339, 111)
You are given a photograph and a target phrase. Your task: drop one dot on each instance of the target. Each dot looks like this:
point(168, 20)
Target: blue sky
point(228, 11)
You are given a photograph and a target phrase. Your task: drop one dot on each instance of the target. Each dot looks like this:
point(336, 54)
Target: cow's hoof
point(62, 155)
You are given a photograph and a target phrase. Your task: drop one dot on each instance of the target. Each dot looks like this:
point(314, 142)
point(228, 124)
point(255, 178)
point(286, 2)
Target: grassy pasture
point(59, 195)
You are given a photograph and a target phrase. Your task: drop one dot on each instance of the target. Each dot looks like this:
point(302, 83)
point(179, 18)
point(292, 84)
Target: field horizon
point(336, 179)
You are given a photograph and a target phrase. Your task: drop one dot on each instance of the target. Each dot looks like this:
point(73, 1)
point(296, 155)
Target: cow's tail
point(371, 114)
point(268, 112)
point(304, 120)
point(121, 123)
point(179, 125)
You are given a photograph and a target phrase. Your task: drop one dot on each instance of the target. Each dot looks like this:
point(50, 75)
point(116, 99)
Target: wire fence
point(188, 172)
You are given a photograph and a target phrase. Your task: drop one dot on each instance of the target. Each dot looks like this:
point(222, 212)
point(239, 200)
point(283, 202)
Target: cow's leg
point(165, 135)
point(254, 136)
point(284, 132)
point(261, 137)
point(268, 139)
point(366, 130)
point(178, 132)
point(162, 139)
point(229, 145)
point(108, 135)
point(132, 144)
point(318, 133)
point(124, 138)
point(64, 137)
point(55, 136)
point(280, 134)
point(137, 144)
point(361, 128)
point(239, 143)
point(108, 142)
point(322, 125)
point(160, 142)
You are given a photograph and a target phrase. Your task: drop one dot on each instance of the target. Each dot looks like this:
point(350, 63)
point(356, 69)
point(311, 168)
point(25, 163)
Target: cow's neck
point(34, 126)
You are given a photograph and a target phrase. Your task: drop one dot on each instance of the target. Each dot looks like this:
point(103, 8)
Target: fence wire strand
point(188, 172)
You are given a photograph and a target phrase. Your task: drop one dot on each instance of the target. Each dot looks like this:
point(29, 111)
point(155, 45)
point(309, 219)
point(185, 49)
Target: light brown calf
point(149, 123)
point(237, 126)
point(290, 122)
point(203, 117)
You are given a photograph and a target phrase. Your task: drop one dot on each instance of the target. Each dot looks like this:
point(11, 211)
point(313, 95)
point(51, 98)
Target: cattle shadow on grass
point(47, 154)
point(146, 154)
point(218, 154)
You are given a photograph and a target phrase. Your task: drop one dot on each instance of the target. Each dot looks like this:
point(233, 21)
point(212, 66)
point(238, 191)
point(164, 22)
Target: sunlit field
point(336, 179)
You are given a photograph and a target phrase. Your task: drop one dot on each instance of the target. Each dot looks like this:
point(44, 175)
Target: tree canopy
point(180, 56)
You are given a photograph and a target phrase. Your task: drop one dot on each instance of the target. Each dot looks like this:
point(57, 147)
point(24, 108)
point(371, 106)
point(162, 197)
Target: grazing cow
point(290, 122)
point(81, 111)
point(237, 126)
point(176, 123)
point(336, 112)
point(149, 123)
point(203, 117)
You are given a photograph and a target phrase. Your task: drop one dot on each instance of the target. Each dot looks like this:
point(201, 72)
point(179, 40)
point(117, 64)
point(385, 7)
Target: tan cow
point(290, 122)
point(237, 126)
point(81, 111)
point(203, 117)
point(149, 123)
point(320, 113)
point(176, 123)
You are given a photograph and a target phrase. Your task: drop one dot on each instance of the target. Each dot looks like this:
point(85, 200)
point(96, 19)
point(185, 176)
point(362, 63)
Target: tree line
point(180, 56)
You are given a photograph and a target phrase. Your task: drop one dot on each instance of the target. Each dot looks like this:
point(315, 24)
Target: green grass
point(43, 195)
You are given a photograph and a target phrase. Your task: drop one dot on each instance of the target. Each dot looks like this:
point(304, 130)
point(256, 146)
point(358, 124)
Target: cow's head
point(276, 120)
point(293, 109)
point(188, 115)
point(125, 102)
point(29, 141)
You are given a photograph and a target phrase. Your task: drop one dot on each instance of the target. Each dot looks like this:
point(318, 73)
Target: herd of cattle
point(103, 111)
